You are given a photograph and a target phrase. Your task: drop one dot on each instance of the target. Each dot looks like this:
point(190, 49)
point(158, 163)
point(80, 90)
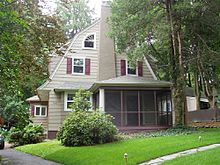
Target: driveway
point(13, 157)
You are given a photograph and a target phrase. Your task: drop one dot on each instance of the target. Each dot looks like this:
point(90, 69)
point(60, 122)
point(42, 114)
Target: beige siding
point(53, 63)
point(77, 50)
point(146, 71)
point(54, 110)
point(41, 120)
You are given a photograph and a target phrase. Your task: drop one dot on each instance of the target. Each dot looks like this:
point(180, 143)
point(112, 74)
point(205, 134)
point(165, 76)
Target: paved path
point(13, 157)
point(160, 160)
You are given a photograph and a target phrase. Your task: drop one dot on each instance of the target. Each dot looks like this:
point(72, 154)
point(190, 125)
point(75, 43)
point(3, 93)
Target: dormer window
point(127, 69)
point(131, 70)
point(89, 42)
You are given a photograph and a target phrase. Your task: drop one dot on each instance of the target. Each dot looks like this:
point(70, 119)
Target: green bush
point(32, 133)
point(83, 128)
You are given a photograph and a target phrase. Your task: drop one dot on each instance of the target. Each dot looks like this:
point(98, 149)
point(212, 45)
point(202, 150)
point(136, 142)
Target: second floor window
point(89, 41)
point(78, 65)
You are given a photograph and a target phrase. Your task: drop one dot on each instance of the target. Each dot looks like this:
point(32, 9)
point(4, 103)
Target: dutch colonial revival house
point(133, 95)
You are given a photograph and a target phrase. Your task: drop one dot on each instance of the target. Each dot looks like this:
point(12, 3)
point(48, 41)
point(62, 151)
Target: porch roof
point(131, 81)
point(73, 86)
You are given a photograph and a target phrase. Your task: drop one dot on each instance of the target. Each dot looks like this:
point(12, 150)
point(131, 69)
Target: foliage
point(4, 132)
point(138, 149)
point(81, 100)
point(26, 38)
point(31, 134)
point(76, 15)
point(168, 132)
point(182, 35)
point(14, 112)
point(82, 128)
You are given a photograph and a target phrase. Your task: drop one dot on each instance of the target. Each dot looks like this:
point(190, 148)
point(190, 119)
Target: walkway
point(160, 160)
point(13, 157)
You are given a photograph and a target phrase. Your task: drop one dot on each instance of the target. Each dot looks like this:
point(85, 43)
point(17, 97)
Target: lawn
point(205, 158)
point(139, 149)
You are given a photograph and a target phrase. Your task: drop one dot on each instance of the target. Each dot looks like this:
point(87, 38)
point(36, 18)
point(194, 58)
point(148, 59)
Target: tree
point(42, 35)
point(81, 100)
point(75, 14)
point(162, 29)
point(26, 38)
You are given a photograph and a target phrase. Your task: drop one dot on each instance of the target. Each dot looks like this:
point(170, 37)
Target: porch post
point(102, 100)
point(155, 107)
point(122, 107)
point(139, 109)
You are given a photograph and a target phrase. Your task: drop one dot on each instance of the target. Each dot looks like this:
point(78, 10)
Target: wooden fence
point(203, 115)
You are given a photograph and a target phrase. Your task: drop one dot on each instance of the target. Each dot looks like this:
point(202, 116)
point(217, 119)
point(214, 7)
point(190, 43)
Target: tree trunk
point(178, 88)
point(197, 90)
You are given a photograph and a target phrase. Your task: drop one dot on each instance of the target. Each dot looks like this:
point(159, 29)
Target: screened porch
point(139, 108)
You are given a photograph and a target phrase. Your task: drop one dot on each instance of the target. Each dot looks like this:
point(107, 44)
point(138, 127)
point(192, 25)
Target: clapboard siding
point(56, 104)
point(41, 120)
point(77, 50)
point(53, 63)
point(146, 71)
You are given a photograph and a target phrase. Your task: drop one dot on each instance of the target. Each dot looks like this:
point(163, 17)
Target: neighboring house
point(134, 96)
point(191, 100)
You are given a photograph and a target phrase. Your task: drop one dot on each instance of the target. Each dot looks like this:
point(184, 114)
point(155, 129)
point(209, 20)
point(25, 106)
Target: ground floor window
point(138, 108)
point(68, 100)
point(40, 110)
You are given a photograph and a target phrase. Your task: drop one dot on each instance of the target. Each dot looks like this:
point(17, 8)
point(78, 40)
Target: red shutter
point(140, 68)
point(32, 110)
point(87, 64)
point(123, 67)
point(69, 66)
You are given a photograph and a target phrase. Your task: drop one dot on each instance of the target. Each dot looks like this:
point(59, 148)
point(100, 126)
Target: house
point(133, 95)
point(191, 100)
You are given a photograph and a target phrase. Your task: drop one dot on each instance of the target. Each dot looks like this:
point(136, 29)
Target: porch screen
point(148, 112)
point(113, 105)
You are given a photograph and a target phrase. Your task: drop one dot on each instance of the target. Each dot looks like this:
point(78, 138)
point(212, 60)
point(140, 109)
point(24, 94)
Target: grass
point(205, 158)
point(138, 149)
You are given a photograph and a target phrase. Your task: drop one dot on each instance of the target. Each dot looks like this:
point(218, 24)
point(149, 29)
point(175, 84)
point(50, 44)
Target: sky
point(93, 4)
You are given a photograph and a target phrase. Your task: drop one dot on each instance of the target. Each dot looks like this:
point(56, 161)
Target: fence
point(203, 115)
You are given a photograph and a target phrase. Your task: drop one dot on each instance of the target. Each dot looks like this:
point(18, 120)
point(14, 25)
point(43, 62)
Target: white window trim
point(41, 106)
point(127, 70)
point(65, 102)
point(84, 65)
point(88, 34)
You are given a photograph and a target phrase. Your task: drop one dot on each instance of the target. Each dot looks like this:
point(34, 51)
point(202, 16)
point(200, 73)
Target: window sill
point(40, 116)
point(87, 48)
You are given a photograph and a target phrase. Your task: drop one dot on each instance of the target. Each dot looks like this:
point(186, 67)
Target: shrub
point(83, 128)
point(81, 100)
point(32, 133)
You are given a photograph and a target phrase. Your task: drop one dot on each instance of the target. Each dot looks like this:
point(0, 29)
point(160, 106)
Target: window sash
point(89, 41)
point(78, 66)
point(131, 70)
point(40, 111)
